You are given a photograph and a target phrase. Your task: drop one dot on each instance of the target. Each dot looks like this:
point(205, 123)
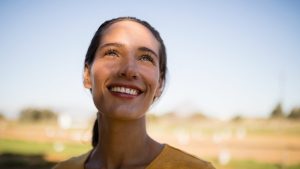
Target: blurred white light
point(241, 133)
point(64, 121)
point(224, 157)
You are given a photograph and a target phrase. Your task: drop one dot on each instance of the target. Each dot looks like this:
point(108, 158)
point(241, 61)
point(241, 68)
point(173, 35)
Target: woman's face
point(124, 76)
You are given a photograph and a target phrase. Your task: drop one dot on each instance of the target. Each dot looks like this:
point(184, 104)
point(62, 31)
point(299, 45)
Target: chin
point(125, 115)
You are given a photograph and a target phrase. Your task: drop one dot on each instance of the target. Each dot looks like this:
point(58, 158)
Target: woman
point(125, 70)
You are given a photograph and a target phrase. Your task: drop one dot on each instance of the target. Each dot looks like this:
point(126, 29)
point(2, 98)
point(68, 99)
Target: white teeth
point(124, 90)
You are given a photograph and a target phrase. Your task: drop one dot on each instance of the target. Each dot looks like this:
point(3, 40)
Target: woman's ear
point(87, 78)
point(159, 89)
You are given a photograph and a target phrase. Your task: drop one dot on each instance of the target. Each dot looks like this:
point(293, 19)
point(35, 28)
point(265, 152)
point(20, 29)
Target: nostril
point(129, 73)
point(134, 76)
point(123, 74)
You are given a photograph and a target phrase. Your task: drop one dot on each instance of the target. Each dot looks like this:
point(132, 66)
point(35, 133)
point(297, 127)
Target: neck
point(117, 137)
point(124, 143)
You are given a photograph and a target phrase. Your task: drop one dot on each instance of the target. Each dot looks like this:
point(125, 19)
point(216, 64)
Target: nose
point(128, 69)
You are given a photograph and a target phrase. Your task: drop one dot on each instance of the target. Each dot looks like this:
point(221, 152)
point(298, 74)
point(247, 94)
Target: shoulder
point(73, 163)
point(172, 157)
point(187, 160)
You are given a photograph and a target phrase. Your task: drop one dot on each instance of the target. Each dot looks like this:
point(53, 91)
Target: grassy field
point(246, 144)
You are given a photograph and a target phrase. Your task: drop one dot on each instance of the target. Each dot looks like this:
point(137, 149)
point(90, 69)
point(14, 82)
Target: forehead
point(130, 33)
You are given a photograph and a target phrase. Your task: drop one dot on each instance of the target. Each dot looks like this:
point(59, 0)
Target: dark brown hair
point(90, 55)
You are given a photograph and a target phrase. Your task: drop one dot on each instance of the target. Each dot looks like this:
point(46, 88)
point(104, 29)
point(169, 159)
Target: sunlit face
point(124, 76)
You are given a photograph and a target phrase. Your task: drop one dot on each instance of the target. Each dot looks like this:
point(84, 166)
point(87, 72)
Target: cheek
point(153, 78)
point(100, 72)
point(101, 69)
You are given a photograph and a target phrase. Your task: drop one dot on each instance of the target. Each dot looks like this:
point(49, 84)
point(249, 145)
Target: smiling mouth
point(125, 90)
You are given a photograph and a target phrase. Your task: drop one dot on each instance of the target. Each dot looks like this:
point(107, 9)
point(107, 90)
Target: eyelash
point(147, 57)
point(111, 52)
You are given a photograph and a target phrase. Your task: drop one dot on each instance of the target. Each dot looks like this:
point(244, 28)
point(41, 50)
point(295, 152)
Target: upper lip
point(131, 86)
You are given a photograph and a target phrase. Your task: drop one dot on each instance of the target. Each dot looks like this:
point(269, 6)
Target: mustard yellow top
point(169, 158)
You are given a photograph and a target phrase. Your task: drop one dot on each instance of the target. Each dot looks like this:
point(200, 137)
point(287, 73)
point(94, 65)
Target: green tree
point(237, 118)
point(2, 117)
point(197, 116)
point(277, 112)
point(37, 115)
point(295, 113)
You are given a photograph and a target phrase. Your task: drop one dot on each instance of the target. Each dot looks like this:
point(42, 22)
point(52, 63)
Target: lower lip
point(123, 95)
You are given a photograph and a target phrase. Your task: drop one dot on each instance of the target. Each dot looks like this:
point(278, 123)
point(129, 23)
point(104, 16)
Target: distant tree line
point(47, 115)
point(2, 117)
point(37, 115)
point(279, 113)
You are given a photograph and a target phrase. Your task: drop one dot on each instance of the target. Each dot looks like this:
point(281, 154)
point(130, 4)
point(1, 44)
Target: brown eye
point(111, 52)
point(147, 58)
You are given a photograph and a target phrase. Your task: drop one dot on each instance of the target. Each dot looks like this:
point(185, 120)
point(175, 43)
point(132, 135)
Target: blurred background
point(232, 95)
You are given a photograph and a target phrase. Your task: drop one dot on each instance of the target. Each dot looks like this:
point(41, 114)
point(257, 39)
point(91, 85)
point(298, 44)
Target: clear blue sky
point(224, 58)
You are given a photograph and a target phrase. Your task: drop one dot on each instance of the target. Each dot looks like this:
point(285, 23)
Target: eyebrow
point(144, 49)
